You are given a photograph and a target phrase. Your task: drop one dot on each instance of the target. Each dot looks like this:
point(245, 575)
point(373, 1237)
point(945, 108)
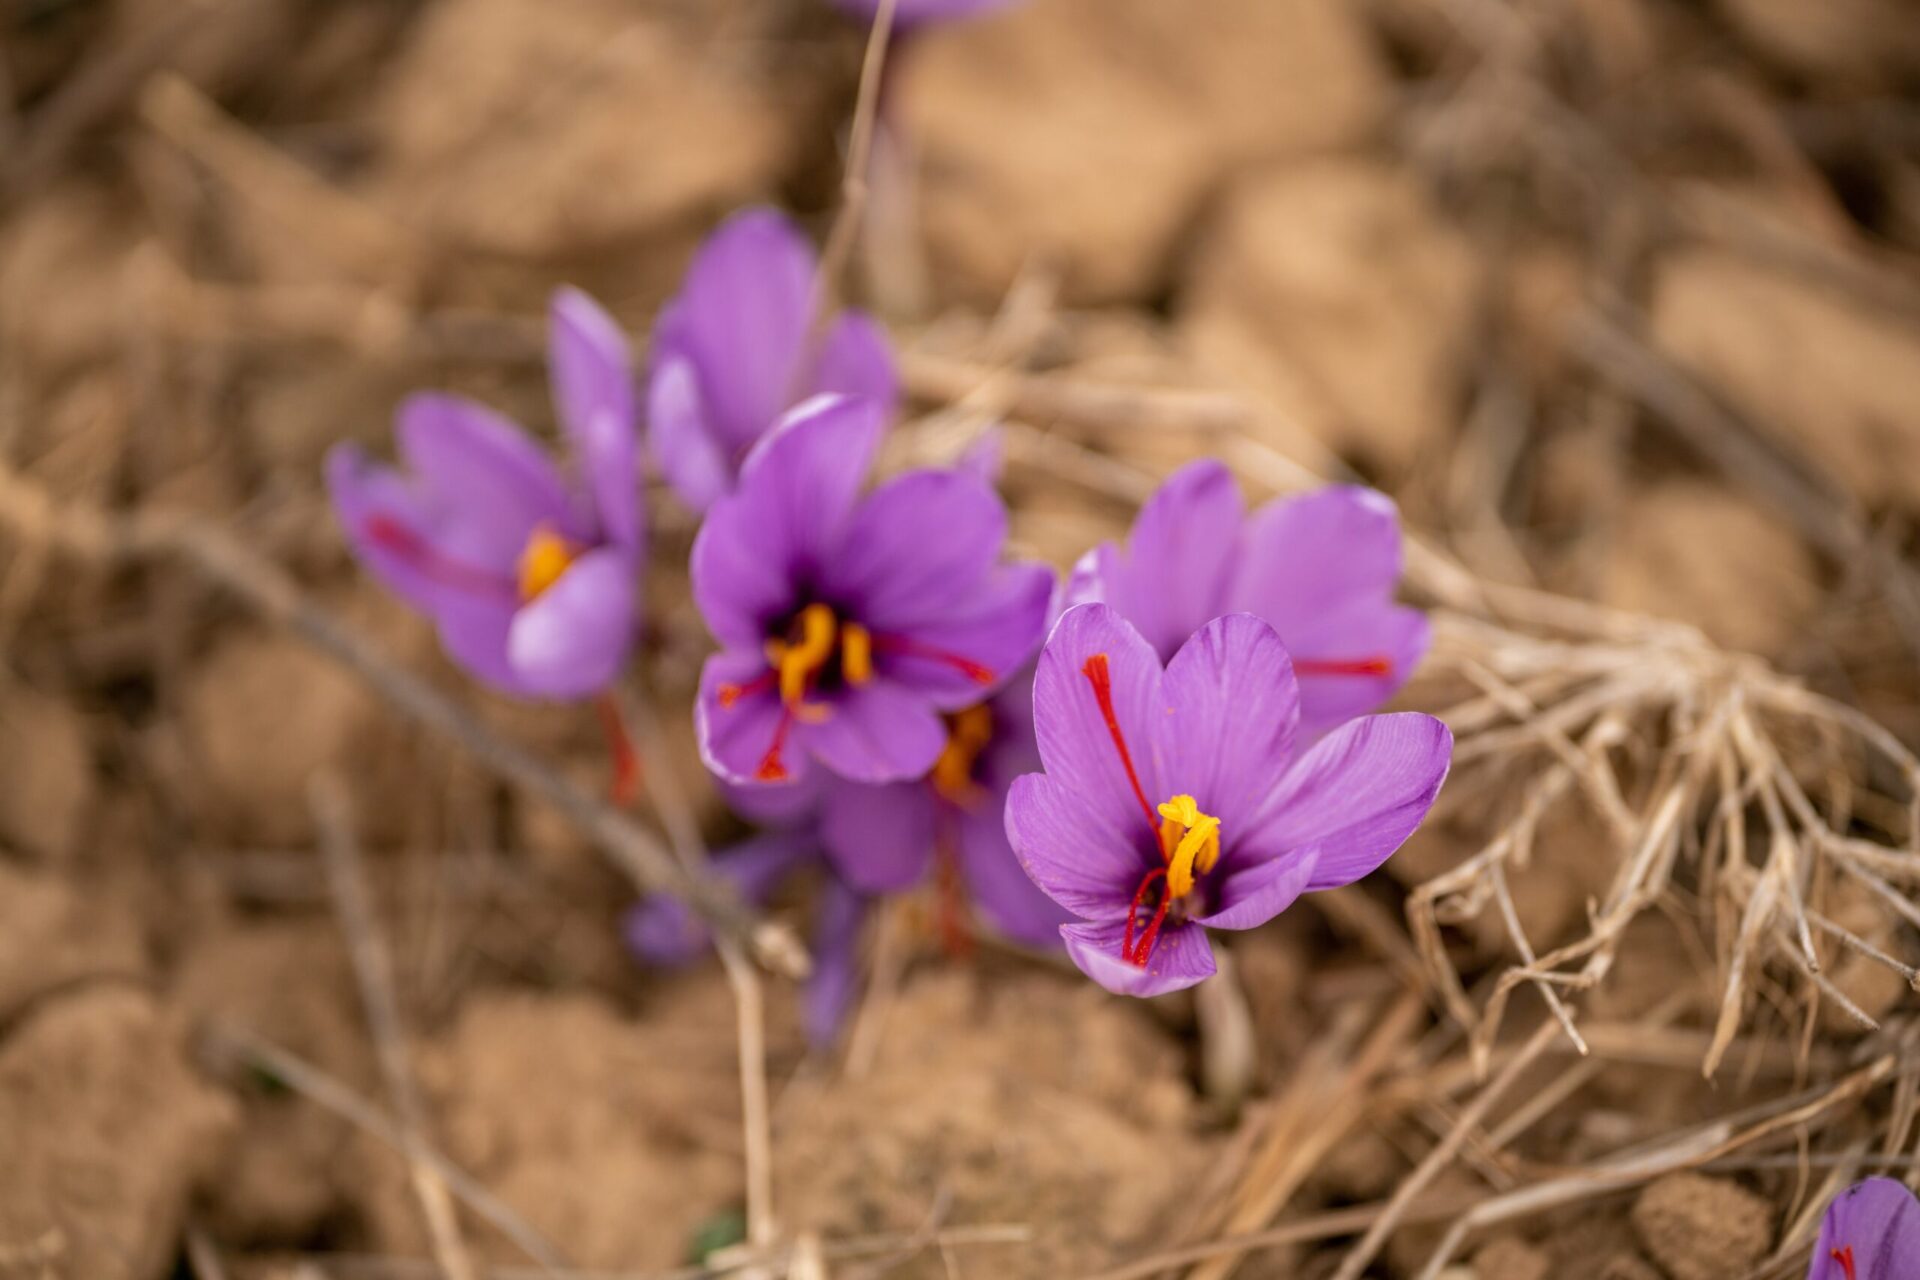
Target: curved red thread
point(1374, 666)
point(729, 693)
point(1844, 1256)
point(626, 762)
point(772, 767)
point(1138, 955)
point(906, 646)
point(1097, 673)
point(390, 535)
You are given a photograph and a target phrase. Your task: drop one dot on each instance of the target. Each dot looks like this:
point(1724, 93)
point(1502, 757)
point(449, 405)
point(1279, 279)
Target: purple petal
point(985, 457)
point(1878, 1219)
point(1075, 855)
point(573, 639)
point(1003, 895)
point(1173, 575)
point(1250, 893)
point(664, 931)
point(474, 634)
point(1233, 713)
point(735, 740)
point(856, 360)
point(593, 395)
point(836, 955)
point(368, 497)
point(492, 482)
point(1075, 738)
point(914, 543)
point(743, 315)
point(794, 805)
point(1367, 630)
point(994, 628)
point(1181, 958)
point(878, 732)
point(880, 838)
point(791, 509)
point(687, 453)
point(1357, 794)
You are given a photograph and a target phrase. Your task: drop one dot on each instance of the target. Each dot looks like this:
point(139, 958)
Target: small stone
point(1511, 1258)
point(1702, 1228)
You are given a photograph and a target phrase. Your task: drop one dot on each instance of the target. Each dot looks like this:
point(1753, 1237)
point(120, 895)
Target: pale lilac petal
point(474, 634)
point(743, 315)
point(1364, 630)
point(1076, 856)
point(368, 497)
point(573, 640)
point(836, 962)
point(1181, 958)
point(1075, 739)
point(878, 732)
point(664, 931)
point(1305, 555)
point(1357, 794)
point(996, 627)
point(1172, 577)
point(492, 482)
point(687, 453)
point(1878, 1219)
point(914, 543)
point(1234, 710)
point(856, 360)
point(880, 838)
point(735, 739)
point(788, 514)
point(1250, 893)
point(594, 398)
point(794, 805)
point(1002, 893)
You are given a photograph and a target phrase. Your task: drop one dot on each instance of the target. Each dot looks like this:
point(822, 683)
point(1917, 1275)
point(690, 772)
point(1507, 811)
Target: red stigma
point(978, 672)
point(729, 694)
point(1102, 680)
point(772, 767)
point(956, 937)
point(1137, 955)
point(626, 762)
point(1374, 666)
point(390, 535)
point(1844, 1256)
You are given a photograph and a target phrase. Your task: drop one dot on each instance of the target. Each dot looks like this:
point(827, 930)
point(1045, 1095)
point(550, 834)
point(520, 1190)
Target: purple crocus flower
point(737, 348)
point(530, 579)
point(1871, 1232)
point(848, 624)
point(1176, 801)
point(1321, 568)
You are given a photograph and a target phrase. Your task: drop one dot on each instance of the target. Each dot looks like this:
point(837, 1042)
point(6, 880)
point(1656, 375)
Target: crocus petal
point(1076, 856)
point(1251, 893)
point(856, 360)
point(1304, 555)
point(743, 313)
point(1076, 740)
point(1181, 958)
point(735, 739)
point(836, 955)
point(986, 457)
point(1003, 895)
point(790, 510)
point(474, 634)
point(492, 481)
point(1363, 630)
point(995, 628)
point(1173, 575)
point(1356, 794)
point(365, 496)
point(663, 930)
point(879, 732)
point(687, 453)
point(879, 838)
point(1233, 710)
point(914, 543)
point(593, 395)
point(794, 805)
point(574, 638)
point(1878, 1219)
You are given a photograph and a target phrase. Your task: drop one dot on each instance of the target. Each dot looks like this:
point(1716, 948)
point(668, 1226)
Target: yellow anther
point(799, 662)
point(542, 561)
point(1189, 841)
point(856, 653)
point(968, 733)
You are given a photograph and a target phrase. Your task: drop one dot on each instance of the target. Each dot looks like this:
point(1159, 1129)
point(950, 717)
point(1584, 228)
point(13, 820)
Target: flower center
point(968, 733)
point(1844, 1256)
point(546, 556)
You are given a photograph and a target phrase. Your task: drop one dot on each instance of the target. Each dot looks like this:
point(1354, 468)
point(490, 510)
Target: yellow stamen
point(1189, 841)
point(856, 653)
point(968, 734)
point(799, 662)
point(545, 557)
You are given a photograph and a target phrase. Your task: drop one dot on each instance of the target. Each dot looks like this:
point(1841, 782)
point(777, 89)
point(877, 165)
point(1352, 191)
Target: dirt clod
point(1702, 1228)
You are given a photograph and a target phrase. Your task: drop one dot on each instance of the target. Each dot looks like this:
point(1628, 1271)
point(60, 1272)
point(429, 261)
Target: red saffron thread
point(730, 693)
point(390, 535)
point(1137, 956)
point(626, 762)
point(1844, 1256)
point(978, 672)
point(772, 768)
point(1102, 679)
point(1375, 666)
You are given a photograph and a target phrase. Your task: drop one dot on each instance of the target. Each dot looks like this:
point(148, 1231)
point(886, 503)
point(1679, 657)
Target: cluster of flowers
point(1190, 750)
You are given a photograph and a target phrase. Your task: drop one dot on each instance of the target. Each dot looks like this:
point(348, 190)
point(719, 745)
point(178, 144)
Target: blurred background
point(1619, 299)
